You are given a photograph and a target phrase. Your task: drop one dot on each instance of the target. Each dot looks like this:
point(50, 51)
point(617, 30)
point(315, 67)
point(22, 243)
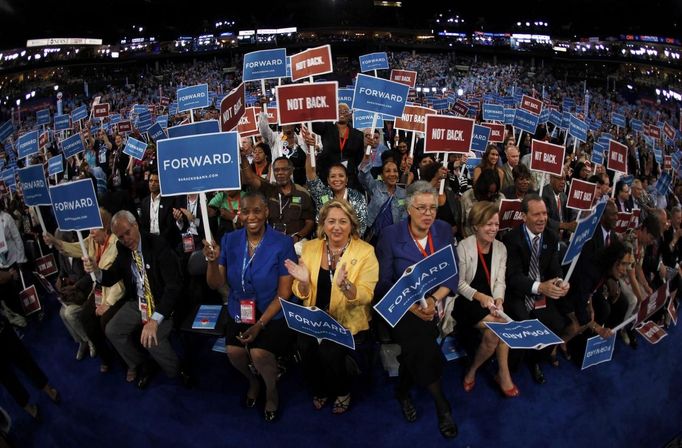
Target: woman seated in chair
point(400, 246)
point(337, 273)
point(251, 261)
point(482, 267)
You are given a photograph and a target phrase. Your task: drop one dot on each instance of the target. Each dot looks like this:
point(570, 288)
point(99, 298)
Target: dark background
point(168, 19)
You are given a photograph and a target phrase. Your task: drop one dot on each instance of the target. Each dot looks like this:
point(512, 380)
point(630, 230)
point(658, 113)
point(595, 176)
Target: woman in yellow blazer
point(337, 273)
point(103, 302)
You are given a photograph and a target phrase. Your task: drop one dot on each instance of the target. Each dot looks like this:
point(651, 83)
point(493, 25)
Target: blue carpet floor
point(633, 401)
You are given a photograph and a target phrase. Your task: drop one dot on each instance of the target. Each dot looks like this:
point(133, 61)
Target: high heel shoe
point(270, 416)
point(447, 426)
point(508, 393)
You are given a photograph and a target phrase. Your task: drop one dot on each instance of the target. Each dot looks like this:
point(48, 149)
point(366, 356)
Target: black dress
point(469, 312)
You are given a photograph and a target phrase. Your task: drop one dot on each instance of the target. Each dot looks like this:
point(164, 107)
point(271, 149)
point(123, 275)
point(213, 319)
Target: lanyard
point(259, 172)
point(530, 245)
point(282, 207)
point(483, 262)
point(419, 246)
point(343, 140)
point(332, 270)
point(246, 264)
point(101, 250)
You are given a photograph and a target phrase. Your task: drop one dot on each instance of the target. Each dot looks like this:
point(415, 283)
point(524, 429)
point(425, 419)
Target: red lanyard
point(101, 250)
point(259, 172)
point(343, 140)
point(419, 246)
point(485, 265)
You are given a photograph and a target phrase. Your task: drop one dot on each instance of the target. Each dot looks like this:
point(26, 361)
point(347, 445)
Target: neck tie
point(534, 270)
point(608, 240)
point(148, 299)
point(558, 206)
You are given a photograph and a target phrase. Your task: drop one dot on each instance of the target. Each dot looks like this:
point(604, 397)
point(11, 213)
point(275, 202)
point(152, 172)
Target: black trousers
point(13, 353)
point(9, 293)
point(324, 365)
point(421, 359)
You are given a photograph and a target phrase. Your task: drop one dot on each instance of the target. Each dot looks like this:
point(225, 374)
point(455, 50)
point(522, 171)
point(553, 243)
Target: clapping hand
point(342, 275)
point(298, 270)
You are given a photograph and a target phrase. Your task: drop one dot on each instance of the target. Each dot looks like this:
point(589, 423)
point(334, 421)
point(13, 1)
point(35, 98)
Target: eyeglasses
point(424, 210)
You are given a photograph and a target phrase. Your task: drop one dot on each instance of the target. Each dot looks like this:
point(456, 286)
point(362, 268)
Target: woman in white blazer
point(482, 268)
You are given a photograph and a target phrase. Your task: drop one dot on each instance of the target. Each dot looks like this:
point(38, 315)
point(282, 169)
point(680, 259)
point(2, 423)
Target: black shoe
point(537, 374)
point(250, 402)
point(409, 411)
point(185, 379)
point(270, 416)
point(143, 381)
point(447, 425)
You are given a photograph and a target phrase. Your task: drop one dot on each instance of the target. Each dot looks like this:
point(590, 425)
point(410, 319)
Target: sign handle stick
point(42, 224)
point(85, 252)
point(518, 142)
point(624, 323)
point(542, 181)
point(374, 125)
point(414, 137)
point(203, 203)
point(312, 150)
point(575, 147)
point(263, 106)
point(375, 74)
point(442, 181)
point(21, 274)
point(571, 268)
point(262, 87)
point(565, 137)
point(616, 178)
point(191, 115)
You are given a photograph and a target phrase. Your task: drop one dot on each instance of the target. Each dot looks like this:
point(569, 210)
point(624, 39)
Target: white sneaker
point(93, 351)
point(624, 336)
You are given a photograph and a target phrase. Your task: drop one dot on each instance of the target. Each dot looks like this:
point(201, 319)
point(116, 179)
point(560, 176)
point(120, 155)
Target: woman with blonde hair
point(336, 273)
point(482, 269)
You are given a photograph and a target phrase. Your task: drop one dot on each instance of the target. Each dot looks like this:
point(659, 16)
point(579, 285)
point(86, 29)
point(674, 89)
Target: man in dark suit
point(341, 143)
point(162, 215)
point(153, 284)
point(533, 282)
point(560, 217)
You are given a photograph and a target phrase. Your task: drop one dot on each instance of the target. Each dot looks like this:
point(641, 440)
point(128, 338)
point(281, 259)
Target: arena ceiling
point(167, 19)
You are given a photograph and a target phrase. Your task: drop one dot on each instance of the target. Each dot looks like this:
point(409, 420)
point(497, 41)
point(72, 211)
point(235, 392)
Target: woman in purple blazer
point(400, 246)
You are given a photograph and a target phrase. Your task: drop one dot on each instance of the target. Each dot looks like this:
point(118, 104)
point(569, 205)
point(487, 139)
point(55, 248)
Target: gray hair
point(120, 215)
point(420, 187)
point(676, 209)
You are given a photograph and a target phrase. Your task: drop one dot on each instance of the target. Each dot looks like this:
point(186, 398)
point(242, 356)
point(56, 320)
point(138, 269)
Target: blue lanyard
point(246, 264)
point(530, 245)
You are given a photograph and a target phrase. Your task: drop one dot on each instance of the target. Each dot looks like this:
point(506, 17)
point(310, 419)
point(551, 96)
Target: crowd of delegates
point(337, 236)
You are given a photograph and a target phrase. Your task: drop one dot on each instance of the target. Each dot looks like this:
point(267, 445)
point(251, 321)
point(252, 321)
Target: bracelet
point(262, 325)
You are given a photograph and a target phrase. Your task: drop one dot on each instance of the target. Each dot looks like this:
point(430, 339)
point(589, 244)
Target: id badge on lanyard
point(188, 242)
point(98, 295)
point(247, 311)
point(247, 307)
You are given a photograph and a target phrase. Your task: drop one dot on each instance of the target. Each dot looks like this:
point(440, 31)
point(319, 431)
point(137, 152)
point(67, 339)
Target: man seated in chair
point(153, 282)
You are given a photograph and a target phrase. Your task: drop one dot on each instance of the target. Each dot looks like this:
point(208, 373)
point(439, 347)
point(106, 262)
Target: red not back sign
point(448, 134)
point(413, 118)
point(511, 215)
point(496, 132)
point(300, 103)
point(547, 157)
point(581, 195)
point(531, 105)
point(315, 61)
point(407, 77)
point(618, 157)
